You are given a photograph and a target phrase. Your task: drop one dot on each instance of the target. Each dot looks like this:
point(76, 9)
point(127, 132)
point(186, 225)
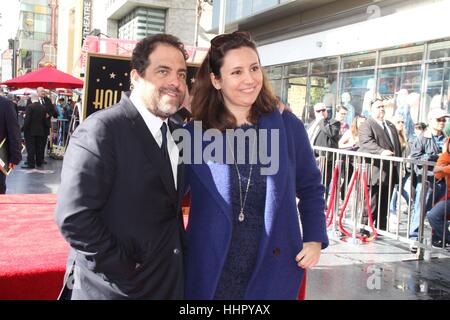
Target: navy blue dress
point(243, 251)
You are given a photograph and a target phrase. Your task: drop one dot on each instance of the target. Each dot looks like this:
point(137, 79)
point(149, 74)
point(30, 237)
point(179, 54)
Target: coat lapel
point(216, 176)
point(216, 179)
point(276, 183)
point(149, 145)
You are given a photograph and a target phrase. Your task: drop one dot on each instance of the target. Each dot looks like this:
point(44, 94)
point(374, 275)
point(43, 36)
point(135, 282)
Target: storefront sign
point(87, 19)
point(107, 77)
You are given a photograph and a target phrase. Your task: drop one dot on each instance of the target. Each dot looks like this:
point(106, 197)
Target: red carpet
point(32, 252)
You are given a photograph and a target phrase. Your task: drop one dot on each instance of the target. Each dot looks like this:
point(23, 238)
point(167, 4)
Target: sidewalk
point(380, 270)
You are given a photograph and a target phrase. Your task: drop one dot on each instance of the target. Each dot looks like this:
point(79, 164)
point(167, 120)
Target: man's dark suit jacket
point(35, 123)
point(119, 210)
point(328, 135)
point(50, 109)
point(373, 139)
point(9, 128)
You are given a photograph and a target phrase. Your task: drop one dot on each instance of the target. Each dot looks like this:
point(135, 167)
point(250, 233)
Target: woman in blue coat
point(245, 238)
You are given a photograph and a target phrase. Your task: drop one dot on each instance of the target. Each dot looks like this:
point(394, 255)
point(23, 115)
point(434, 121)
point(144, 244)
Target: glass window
point(324, 65)
point(274, 72)
point(359, 61)
point(323, 89)
point(401, 87)
point(409, 54)
point(276, 87)
point(296, 98)
point(356, 91)
point(437, 94)
point(297, 69)
point(439, 50)
point(42, 23)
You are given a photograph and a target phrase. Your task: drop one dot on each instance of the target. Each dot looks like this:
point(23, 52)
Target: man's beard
point(165, 109)
point(161, 108)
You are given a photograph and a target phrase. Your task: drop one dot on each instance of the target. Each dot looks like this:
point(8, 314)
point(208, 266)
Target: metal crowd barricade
point(348, 200)
point(59, 135)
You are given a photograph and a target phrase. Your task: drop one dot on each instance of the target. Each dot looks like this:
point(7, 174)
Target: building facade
point(37, 34)
point(136, 19)
point(119, 24)
point(349, 52)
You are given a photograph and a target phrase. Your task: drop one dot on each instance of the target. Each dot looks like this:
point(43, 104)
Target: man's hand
point(387, 153)
point(439, 169)
point(12, 166)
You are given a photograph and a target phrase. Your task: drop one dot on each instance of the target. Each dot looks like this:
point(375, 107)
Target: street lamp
point(13, 44)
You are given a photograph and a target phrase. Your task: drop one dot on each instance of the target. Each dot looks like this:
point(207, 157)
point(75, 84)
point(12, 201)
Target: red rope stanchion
point(356, 175)
point(369, 210)
point(332, 199)
point(347, 198)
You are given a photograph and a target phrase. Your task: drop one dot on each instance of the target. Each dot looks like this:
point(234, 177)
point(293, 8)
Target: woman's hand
point(309, 256)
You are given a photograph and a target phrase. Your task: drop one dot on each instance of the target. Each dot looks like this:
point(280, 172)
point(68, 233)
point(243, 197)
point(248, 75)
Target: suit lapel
point(396, 141)
point(180, 169)
point(149, 145)
point(381, 135)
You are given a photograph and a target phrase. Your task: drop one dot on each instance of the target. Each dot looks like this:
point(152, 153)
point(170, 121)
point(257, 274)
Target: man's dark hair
point(140, 60)
point(341, 107)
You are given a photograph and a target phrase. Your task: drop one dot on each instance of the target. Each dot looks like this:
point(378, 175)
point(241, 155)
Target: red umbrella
point(47, 77)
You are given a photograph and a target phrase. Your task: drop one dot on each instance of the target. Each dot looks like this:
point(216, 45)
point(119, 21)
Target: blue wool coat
point(208, 235)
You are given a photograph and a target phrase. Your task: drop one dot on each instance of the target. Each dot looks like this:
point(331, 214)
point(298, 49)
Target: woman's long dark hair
point(207, 102)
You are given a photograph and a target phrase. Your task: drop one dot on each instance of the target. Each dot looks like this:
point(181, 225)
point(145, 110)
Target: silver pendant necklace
point(241, 216)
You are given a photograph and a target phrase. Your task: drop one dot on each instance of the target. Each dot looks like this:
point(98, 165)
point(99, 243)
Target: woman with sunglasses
point(244, 237)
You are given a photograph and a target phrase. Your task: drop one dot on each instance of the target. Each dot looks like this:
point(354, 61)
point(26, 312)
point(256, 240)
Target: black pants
point(36, 149)
point(2, 183)
point(383, 194)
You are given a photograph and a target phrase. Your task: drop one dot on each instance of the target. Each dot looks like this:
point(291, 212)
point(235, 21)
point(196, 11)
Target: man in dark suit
point(119, 203)
point(324, 132)
point(35, 131)
point(50, 110)
point(379, 136)
point(9, 129)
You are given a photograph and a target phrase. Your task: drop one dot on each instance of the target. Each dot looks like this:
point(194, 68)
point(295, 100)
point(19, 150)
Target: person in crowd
point(243, 237)
point(427, 147)
point(60, 106)
point(10, 133)
point(405, 174)
point(119, 202)
point(350, 139)
point(11, 97)
point(379, 136)
point(438, 215)
point(35, 130)
point(419, 128)
point(324, 133)
point(341, 114)
point(50, 110)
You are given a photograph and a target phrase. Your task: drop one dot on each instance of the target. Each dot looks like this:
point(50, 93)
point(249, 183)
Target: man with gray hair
point(324, 132)
point(35, 130)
